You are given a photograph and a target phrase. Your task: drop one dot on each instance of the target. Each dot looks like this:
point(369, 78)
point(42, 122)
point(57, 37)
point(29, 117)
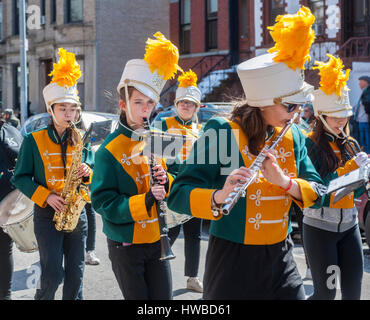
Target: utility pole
point(23, 55)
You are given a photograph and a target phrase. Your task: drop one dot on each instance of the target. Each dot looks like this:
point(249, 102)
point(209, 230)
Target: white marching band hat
point(149, 75)
point(138, 75)
point(264, 80)
point(279, 73)
point(187, 89)
point(63, 86)
point(332, 98)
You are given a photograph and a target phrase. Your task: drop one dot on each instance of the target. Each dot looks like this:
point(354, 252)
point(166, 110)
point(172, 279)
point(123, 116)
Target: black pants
point(139, 272)
point(6, 265)
point(326, 251)
point(237, 271)
point(192, 231)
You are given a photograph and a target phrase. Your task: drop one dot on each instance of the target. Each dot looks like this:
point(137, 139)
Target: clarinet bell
point(166, 252)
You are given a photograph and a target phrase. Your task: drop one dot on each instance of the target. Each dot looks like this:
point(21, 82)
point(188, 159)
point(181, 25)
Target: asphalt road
point(100, 283)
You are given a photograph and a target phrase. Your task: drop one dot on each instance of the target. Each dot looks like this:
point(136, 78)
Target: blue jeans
point(364, 133)
point(91, 222)
point(53, 246)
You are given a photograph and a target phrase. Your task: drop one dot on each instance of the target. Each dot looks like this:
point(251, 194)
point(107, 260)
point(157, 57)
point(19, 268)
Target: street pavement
point(100, 283)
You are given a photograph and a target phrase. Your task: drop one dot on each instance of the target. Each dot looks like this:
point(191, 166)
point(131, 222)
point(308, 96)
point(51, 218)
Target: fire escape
point(355, 49)
point(210, 69)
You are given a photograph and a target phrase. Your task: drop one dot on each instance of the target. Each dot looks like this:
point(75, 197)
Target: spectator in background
point(362, 112)
point(10, 118)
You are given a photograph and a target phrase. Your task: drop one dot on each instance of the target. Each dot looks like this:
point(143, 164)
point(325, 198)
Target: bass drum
point(174, 219)
point(16, 219)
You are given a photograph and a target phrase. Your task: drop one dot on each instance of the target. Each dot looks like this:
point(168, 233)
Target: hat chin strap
point(53, 116)
point(128, 104)
point(327, 126)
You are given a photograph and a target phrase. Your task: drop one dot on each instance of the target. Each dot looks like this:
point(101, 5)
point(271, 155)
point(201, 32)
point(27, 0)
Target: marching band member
point(331, 234)
point(250, 253)
point(120, 189)
point(187, 103)
point(43, 162)
point(10, 143)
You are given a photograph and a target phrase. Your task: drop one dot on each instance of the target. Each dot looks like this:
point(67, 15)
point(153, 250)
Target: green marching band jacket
point(40, 169)
point(120, 184)
point(262, 217)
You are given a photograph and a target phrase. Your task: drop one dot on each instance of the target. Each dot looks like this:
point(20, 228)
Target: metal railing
point(356, 48)
point(202, 68)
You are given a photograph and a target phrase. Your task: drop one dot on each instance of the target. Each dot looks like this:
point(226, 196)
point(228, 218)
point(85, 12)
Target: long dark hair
point(252, 123)
point(321, 138)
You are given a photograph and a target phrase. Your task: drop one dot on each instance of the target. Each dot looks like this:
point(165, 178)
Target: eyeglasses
point(290, 107)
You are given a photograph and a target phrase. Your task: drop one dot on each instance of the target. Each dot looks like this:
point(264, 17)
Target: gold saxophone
point(74, 194)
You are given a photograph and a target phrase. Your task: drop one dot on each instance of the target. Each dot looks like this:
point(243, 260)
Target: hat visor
point(188, 98)
point(143, 89)
point(339, 114)
point(305, 95)
point(66, 100)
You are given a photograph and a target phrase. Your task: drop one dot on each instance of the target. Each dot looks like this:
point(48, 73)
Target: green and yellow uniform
point(262, 216)
point(40, 169)
point(119, 187)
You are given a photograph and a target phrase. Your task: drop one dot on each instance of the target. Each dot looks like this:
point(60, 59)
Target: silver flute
point(240, 190)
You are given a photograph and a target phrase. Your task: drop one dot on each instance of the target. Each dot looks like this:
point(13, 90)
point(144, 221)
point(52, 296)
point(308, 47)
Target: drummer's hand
point(160, 174)
point(83, 170)
point(56, 202)
point(272, 172)
point(159, 192)
point(236, 177)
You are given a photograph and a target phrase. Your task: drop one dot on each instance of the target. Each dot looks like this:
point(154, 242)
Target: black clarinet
point(166, 252)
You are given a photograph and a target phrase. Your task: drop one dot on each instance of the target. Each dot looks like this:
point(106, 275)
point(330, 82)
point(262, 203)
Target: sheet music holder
point(163, 144)
point(349, 182)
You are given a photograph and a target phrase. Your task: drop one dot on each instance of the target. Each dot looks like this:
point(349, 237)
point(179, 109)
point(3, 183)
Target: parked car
point(206, 111)
point(104, 123)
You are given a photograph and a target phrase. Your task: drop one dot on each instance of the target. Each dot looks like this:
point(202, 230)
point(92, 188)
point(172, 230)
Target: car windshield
point(104, 123)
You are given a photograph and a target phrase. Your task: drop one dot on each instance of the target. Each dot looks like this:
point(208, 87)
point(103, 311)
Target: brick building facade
point(208, 31)
point(102, 34)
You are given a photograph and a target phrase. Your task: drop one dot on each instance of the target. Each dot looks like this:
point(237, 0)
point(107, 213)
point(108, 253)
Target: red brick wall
point(175, 23)
point(223, 25)
point(198, 26)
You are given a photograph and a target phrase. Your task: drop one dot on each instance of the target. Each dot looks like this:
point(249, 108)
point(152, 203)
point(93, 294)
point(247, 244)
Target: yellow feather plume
point(333, 80)
point(293, 38)
point(67, 71)
point(188, 79)
point(162, 56)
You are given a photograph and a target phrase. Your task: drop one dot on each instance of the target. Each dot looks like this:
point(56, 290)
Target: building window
point(43, 12)
point(211, 27)
point(244, 30)
point(318, 10)
point(185, 21)
point(277, 8)
point(53, 11)
point(74, 11)
point(15, 17)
